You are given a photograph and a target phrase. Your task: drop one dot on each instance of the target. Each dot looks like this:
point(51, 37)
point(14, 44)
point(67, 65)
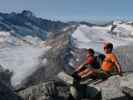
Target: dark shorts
point(102, 74)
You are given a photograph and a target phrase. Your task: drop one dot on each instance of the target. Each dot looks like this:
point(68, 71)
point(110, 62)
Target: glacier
point(96, 36)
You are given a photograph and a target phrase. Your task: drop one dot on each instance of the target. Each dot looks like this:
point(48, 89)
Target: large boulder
point(44, 91)
point(112, 88)
point(127, 81)
point(5, 76)
point(127, 85)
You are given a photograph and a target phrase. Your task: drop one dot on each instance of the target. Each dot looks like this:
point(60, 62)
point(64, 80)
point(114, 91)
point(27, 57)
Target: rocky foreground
point(115, 88)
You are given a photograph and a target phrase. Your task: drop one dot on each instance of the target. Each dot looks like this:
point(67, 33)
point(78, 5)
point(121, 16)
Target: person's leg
point(83, 72)
point(76, 76)
point(98, 74)
point(89, 73)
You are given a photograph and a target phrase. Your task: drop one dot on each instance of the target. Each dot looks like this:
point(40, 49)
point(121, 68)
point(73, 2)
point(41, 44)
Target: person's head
point(91, 52)
point(108, 47)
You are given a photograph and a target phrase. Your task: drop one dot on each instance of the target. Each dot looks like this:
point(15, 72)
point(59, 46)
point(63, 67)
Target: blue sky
point(67, 10)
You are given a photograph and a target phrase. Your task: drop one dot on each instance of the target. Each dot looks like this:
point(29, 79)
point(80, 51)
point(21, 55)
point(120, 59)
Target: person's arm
point(81, 66)
point(119, 68)
point(117, 64)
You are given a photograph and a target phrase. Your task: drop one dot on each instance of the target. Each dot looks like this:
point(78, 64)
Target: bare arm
point(118, 67)
point(81, 66)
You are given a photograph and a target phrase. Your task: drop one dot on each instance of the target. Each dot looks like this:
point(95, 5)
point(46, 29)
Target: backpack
point(98, 61)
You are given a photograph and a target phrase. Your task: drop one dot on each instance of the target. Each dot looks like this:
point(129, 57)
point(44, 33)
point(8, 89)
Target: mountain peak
point(27, 13)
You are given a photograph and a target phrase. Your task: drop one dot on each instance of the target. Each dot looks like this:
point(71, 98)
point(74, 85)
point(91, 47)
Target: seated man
point(109, 65)
point(90, 62)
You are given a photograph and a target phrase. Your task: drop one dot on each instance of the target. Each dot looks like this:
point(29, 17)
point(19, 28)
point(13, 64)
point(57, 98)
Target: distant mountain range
point(25, 27)
point(25, 23)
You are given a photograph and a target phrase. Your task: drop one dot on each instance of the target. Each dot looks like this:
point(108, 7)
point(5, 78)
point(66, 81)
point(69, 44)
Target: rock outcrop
point(111, 89)
point(7, 94)
point(56, 59)
point(114, 87)
point(5, 76)
point(44, 91)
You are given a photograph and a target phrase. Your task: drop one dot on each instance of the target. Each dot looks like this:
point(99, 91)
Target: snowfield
point(124, 30)
point(96, 36)
point(22, 61)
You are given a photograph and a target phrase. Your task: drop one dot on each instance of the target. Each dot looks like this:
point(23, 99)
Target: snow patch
point(124, 30)
point(4, 36)
point(22, 61)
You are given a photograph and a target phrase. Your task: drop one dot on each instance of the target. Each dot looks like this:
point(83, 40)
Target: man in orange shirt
point(109, 65)
point(111, 62)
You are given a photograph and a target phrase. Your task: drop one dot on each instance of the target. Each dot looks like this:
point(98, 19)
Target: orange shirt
point(109, 62)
